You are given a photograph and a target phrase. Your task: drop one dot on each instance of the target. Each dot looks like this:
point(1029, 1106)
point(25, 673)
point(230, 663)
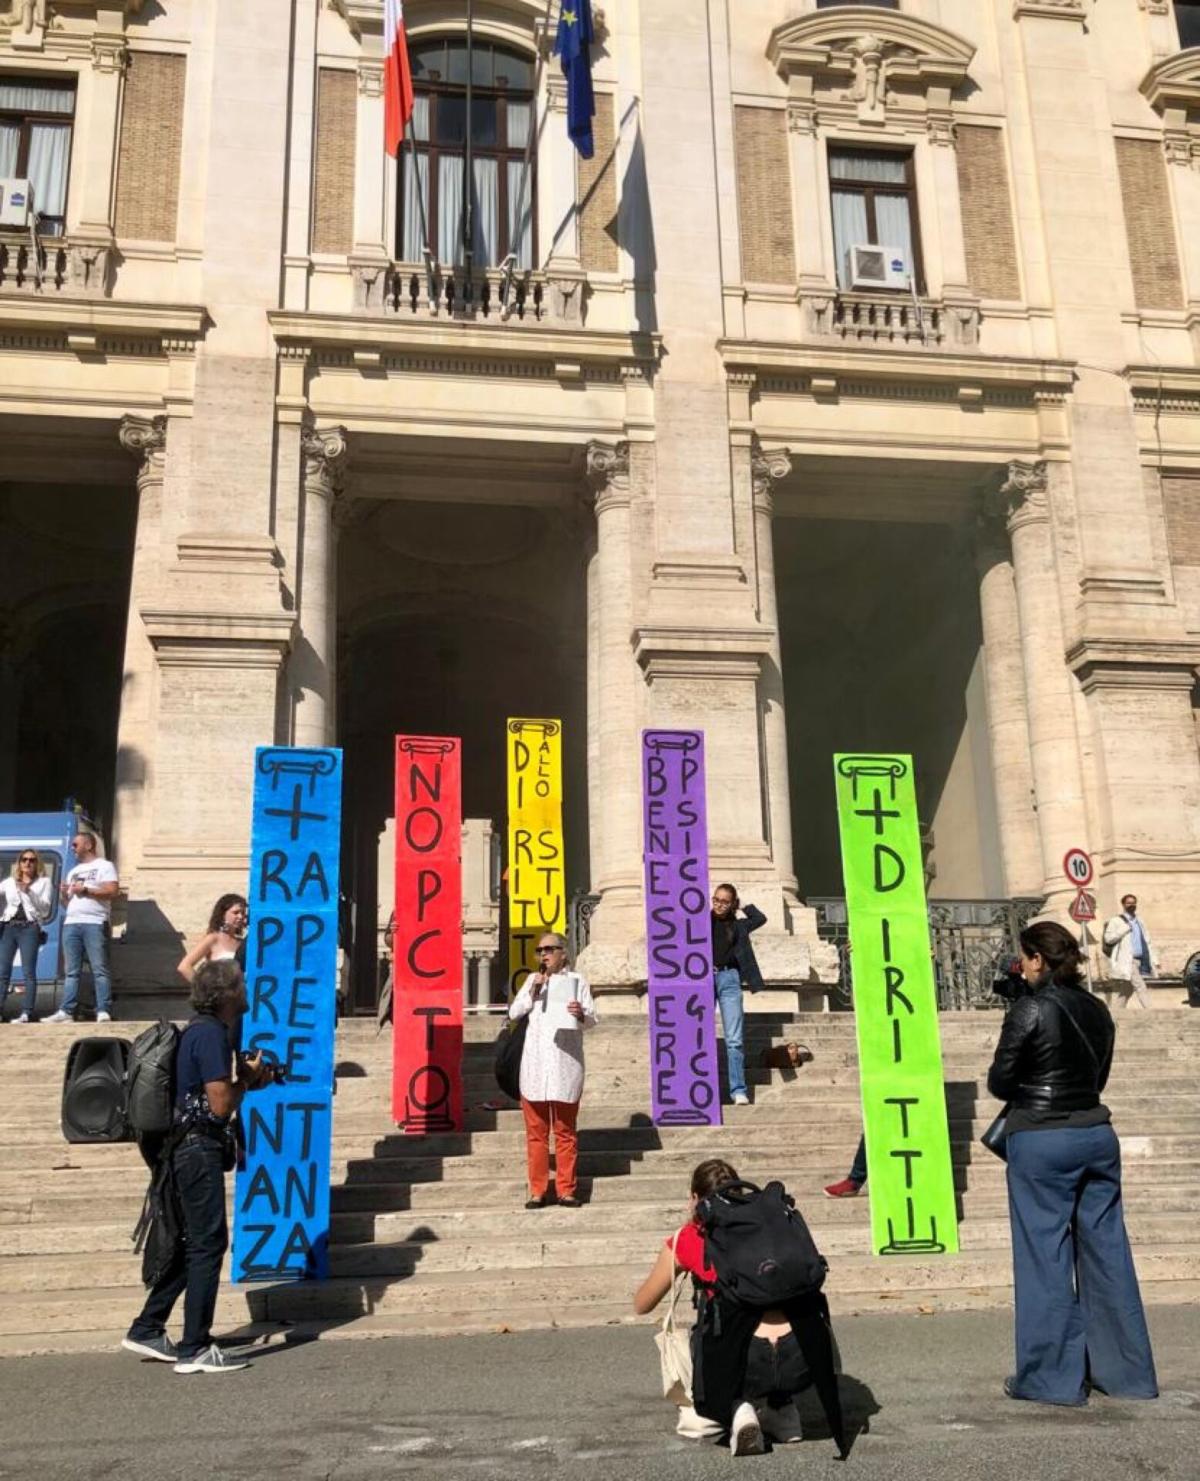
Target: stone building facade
point(264, 479)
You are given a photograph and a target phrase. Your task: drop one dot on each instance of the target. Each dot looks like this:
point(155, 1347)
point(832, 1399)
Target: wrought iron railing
point(967, 939)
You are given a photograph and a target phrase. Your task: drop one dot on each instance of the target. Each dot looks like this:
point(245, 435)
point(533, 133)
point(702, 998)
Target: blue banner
point(281, 1205)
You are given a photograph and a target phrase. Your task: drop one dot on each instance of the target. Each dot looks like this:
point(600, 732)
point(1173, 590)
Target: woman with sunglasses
point(26, 903)
point(552, 1068)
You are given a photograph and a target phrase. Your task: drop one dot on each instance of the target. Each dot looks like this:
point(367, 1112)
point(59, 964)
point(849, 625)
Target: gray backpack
point(150, 1080)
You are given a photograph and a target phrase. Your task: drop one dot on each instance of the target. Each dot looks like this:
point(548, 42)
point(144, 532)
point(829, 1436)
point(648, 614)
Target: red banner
point(427, 963)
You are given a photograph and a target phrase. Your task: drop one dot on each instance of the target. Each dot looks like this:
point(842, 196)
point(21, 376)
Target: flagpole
point(469, 183)
point(510, 262)
point(419, 192)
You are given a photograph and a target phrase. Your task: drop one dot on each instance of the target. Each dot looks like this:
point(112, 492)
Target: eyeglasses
point(28, 858)
point(546, 950)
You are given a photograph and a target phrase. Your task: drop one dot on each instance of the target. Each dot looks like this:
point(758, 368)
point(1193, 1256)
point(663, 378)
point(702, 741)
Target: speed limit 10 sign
point(1077, 866)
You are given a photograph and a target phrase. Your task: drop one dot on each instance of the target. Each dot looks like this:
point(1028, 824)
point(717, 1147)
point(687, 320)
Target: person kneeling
point(773, 1369)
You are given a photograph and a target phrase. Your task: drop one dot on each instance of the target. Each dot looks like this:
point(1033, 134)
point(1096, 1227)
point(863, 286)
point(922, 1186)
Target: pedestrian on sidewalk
point(88, 892)
point(558, 1003)
point(26, 903)
point(1127, 945)
point(202, 1149)
point(1079, 1317)
point(225, 940)
point(775, 1367)
point(734, 964)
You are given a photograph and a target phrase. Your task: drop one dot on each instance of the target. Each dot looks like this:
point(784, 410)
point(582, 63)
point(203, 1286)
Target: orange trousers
point(540, 1117)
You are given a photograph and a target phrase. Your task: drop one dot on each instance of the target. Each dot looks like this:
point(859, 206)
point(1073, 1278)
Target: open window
point(874, 199)
point(37, 116)
point(502, 115)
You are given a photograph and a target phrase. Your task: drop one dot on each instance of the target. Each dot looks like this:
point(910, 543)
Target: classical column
point(313, 669)
point(1008, 712)
point(767, 469)
point(1049, 685)
point(146, 439)
point(613, 716)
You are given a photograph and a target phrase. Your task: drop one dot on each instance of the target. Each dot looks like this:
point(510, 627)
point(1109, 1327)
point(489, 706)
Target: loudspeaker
point(93, 1097)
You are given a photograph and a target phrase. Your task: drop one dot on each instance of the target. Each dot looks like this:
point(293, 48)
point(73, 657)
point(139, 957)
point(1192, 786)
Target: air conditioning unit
point(16, 202)
point(877, 267)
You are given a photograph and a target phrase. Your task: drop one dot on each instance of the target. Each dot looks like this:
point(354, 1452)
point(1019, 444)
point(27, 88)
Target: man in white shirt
point(1127, 946)
point(88, 892)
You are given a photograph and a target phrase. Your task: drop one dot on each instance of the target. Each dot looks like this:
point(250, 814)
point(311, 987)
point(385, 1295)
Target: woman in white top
point(26, 903)
point(552, 1068)
point(226, 938)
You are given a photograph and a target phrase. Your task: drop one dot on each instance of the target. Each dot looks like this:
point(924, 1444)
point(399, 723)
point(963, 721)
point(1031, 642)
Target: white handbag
point(674, 1346)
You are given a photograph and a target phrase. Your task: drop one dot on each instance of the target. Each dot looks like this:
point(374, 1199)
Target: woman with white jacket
point(552, 1070)
point(26, 903)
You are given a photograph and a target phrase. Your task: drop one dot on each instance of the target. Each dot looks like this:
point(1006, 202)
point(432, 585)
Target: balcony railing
point(891, 319)
point(407, 290)
point(56, 266)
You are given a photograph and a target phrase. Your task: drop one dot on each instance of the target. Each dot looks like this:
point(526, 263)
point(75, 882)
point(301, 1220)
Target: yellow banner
point(537, 883)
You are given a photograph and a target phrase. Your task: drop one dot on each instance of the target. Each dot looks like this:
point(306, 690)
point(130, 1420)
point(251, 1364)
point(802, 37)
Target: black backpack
point(759, 1245)
point(150, 1080)
point(510, 1047)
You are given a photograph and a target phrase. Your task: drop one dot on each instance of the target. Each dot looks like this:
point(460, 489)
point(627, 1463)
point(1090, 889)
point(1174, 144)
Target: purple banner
point(684, 1084)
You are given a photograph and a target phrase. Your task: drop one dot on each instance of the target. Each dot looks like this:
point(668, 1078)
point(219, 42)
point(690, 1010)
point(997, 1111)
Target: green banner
point(910, 1174)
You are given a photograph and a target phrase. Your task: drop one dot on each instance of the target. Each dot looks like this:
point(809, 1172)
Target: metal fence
point(967, 939)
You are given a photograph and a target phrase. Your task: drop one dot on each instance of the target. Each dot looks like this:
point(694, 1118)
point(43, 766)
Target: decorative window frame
point(862, 77)
point(1172, 88)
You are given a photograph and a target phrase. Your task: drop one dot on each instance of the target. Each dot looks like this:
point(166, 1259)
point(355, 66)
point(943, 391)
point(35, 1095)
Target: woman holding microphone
point(559, 1006)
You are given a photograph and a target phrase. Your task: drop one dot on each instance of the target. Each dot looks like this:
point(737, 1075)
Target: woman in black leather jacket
point(1079, 1317)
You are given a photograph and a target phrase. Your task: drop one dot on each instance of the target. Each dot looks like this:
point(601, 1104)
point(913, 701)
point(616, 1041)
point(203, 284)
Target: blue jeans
point(22, 936)
point(858, 1170)
point(733, 1021)
point(196, 1271)
point(90, 937)
point(1078, 1307)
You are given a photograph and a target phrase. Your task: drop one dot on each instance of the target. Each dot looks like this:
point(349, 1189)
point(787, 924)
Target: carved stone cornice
point(146, 439)
point(1023, 495)
point(370, 78)
point(607, 468)
point(1156, 7)
point(324, 451)
point(767, 468)
point(1058, 10)
point(110, 54)
point(1172, 88)
point(885, 57)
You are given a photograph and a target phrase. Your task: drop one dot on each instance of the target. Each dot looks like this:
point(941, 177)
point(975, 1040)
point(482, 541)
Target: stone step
point(52, 1152)
point(38, 1257)
point(579, 1313)
point(856, 1282)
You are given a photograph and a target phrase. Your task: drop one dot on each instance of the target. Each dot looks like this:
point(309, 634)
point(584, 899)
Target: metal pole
point(469, 183)
point(510, 262)
point(419, 192)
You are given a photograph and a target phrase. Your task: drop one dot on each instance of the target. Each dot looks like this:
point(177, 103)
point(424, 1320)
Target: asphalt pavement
point(923, 1393)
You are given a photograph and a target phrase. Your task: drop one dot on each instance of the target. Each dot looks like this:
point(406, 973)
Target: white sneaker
point(691, 1426)
point(21, 1018)
point(103, 1017)
point(59, 1017)
point(745, 1434)
point(781, 1426)
point(741, 1099)
point(212, 1361)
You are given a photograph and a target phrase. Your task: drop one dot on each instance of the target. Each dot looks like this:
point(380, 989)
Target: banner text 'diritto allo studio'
point(895, 1007)
point(537, 883)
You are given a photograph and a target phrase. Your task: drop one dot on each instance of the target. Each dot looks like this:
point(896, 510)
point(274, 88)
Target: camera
point(275, 1072)
point(1009, 983)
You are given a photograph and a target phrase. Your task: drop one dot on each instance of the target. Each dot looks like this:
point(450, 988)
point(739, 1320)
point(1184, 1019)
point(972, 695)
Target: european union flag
point(574, 45)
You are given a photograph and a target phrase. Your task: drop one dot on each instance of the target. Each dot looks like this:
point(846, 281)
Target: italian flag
point(397, 77)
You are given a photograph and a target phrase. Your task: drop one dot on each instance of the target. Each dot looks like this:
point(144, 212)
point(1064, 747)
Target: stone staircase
point(429, 1235)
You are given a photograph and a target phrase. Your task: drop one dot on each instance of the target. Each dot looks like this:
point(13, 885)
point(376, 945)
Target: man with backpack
point(195, 1154)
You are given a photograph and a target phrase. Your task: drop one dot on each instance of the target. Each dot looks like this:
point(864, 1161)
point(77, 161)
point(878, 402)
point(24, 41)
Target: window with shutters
point(502, 115)
point(874, 196)
point(37, 117)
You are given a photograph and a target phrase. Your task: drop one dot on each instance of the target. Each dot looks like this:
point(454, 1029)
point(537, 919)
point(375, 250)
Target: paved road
point(541, 1406)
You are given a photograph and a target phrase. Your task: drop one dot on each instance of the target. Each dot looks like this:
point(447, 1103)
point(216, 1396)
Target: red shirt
point(689, 1254)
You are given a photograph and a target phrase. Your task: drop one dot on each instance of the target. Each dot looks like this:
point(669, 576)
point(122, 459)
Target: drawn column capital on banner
point(913, 1208)
point(281, 1197)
